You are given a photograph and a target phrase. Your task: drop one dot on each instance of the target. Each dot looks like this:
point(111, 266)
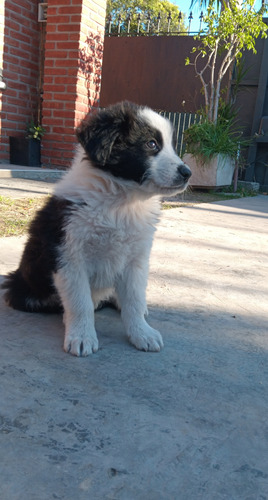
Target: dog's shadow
point(49, 327)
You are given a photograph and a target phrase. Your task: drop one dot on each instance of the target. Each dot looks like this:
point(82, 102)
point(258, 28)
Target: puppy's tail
point(20, 295)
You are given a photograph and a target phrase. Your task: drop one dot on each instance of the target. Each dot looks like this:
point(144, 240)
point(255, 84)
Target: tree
point(228, 32)
point(159, 15)
point(217, 3)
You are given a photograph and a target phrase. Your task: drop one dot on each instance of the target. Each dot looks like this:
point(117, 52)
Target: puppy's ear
point(101, 132)
point(97, 138)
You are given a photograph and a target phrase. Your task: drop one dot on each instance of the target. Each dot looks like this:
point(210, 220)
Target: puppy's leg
point(74, 290)
point(131, 290)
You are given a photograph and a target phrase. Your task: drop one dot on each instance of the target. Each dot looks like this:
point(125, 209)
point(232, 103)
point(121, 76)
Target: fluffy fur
point(92, 240)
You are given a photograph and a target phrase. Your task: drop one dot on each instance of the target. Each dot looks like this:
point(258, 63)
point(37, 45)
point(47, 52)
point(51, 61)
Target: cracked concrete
point(190, 422)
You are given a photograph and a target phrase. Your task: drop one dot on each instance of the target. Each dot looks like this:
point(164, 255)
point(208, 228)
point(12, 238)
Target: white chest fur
point(112, 223)
point(105, 240)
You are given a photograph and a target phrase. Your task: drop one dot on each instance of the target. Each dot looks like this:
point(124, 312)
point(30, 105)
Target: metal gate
point(181, 121)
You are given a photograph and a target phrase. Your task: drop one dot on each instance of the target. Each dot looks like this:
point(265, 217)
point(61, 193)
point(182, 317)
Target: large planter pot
point(23, 151)
point(218, 172)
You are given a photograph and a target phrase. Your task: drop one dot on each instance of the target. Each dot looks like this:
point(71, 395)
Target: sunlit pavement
point(189, 422)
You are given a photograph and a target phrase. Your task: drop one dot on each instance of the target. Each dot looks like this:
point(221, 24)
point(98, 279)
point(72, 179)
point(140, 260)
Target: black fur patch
point(116, 139)
point(32, 281)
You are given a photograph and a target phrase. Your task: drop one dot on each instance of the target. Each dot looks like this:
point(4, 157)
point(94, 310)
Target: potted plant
point(212, 149)
point(26, 150)
point(213, 145)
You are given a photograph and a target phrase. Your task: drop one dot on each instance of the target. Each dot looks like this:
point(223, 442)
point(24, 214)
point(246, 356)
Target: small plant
point(34, 131)
point(207, 139)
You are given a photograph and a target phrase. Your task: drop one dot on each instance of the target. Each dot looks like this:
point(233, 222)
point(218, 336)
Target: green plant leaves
point(34, 131)
point(207, 139)
point(228, 32)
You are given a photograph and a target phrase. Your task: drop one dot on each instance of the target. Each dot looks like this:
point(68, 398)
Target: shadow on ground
point(128, 424)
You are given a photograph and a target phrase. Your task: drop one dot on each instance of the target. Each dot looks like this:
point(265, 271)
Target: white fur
point(165, 164)
point(108, 243)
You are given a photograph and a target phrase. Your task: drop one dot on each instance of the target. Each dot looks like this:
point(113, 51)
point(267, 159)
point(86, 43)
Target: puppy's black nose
point(184, 171)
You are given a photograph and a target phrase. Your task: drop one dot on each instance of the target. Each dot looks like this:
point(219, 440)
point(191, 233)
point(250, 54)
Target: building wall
point(19, 60)
point(72, 73)
point(52, 71)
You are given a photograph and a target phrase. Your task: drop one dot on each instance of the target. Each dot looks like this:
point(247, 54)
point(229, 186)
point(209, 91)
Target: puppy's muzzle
point(183, 173)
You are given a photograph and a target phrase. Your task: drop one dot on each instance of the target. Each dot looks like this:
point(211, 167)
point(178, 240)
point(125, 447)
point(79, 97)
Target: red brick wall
point(71, 71)
point(19, 34)
point(73, 57)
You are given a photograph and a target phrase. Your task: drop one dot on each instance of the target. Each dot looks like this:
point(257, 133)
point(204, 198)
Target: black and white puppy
point(92, 240)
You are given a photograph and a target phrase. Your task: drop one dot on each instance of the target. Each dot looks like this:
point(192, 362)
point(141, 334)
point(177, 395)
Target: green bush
point(207, 139)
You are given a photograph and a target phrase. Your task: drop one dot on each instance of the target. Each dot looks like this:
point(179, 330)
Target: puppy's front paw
point(80, 345)
point(146, 339)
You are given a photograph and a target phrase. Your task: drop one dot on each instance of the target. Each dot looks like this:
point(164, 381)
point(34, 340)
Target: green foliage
point(133, 8)
point(34, 131)
point(207, 139)
point(239, 74)
point(242, 191)
point(236, 27)
point(228, 32)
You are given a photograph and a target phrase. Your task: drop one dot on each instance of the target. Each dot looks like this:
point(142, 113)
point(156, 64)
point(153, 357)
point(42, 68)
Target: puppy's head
point(134, 143)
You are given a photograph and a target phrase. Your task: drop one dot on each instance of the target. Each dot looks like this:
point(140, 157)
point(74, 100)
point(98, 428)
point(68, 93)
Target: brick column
point(72, 73)
point(19, 60)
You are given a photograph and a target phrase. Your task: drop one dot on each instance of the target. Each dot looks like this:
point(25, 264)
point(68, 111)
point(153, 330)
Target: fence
point(150, 70)
point(181, 122)
point(145, 25)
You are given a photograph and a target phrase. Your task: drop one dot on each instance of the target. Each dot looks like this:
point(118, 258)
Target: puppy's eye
point(152, 145)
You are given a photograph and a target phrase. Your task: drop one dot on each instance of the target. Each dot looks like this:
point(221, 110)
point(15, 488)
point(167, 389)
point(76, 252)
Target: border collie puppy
point(92, 240)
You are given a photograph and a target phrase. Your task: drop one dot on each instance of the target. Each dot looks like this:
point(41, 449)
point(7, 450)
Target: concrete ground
point(20, 182)
point(188, 423)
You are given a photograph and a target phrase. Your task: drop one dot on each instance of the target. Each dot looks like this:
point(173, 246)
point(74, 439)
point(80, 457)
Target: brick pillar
point(72, 73)
point(19, 60)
